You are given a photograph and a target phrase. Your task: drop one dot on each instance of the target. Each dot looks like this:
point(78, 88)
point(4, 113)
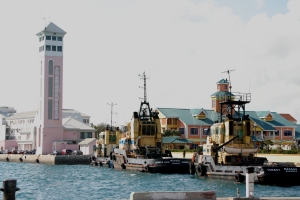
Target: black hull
point(157, 165)
point(171, 165)
point(279, 175)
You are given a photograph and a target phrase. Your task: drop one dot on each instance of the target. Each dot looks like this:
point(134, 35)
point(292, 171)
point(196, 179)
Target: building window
point(50, 87)
point(48, 47)
point(84, 135)
point(50, 67)
point(194, 131)
point(225, 86)
point(277, 133)
point(54, 38)
point(56, 91)
point(53, 48)
point(213, 103)
point(59, 38)
point(59, 48)
point(181, 130)
point(287, 133)
point(49, 109)
point(48, 37)
point(206, 131)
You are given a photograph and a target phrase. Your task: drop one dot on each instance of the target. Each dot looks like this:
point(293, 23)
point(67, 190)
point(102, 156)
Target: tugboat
point(140, 148)
point(105, 144)
point(229, 150)
point(279, 173)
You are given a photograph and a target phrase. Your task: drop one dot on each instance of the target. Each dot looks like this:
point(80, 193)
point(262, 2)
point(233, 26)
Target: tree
point(171, 133)
point(99, 128)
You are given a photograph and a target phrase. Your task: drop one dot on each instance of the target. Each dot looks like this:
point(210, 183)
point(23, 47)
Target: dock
point(46, 159)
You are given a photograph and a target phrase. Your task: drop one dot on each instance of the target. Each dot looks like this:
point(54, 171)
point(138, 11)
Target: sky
point(182, 46)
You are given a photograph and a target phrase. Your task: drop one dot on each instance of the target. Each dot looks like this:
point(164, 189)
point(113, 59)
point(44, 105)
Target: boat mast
point(145, 90)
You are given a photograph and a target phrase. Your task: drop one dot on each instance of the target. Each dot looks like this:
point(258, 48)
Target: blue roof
point(278, 120)
point(262, 124)
point(222, 93)
point(175, 140)
point(187, 115)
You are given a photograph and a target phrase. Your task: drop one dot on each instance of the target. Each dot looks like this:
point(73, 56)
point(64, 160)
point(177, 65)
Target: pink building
point(49, 128)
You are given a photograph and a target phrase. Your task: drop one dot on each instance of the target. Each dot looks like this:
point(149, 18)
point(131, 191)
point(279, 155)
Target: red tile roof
point(288, 117)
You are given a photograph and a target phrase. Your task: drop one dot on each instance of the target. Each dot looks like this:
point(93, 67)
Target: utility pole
point(111, 113)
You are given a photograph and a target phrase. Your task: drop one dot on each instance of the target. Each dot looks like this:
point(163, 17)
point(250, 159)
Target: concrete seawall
point(46, 159)
point(192, 195)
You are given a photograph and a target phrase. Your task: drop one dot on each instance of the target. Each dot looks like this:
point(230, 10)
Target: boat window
point(148, 129)
point(112, 138)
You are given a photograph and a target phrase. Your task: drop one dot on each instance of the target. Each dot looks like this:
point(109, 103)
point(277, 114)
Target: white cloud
point(182, 45)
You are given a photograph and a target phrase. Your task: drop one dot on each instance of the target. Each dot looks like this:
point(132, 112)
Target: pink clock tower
point(49, 116)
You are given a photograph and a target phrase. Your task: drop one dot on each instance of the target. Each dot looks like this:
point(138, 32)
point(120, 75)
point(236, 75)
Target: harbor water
point(41, 181)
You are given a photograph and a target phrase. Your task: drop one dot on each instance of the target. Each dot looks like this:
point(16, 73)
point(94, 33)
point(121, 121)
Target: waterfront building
point(5, 135)
point(194, 124)
point(50, 128)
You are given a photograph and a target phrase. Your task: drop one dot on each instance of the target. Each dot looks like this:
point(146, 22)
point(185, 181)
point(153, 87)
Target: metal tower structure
point(233, 104)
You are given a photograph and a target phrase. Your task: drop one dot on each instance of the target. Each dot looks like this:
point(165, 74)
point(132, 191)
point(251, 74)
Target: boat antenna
point(111, 113)
point(228, 72)
point(145, 90)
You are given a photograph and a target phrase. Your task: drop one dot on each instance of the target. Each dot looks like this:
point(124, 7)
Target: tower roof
point(52, 28)
point(223, 81)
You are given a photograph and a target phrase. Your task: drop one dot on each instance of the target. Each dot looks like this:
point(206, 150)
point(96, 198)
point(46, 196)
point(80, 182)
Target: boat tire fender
point(200, 170)
point(203, 170)
point(7, 159)
point(21, 159)
point(146, 168)
point(192, 168)
point(239, 178)
point(123, 166)
point(37, 161)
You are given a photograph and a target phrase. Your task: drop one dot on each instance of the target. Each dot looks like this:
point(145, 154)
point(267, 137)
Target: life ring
point(239, 178)
point(21, 159)
point(123, 166)
point(7, 159)
point(192, 168)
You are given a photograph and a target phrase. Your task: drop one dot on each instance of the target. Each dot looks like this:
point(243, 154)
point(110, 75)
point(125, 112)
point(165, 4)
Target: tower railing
point(235, 97)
